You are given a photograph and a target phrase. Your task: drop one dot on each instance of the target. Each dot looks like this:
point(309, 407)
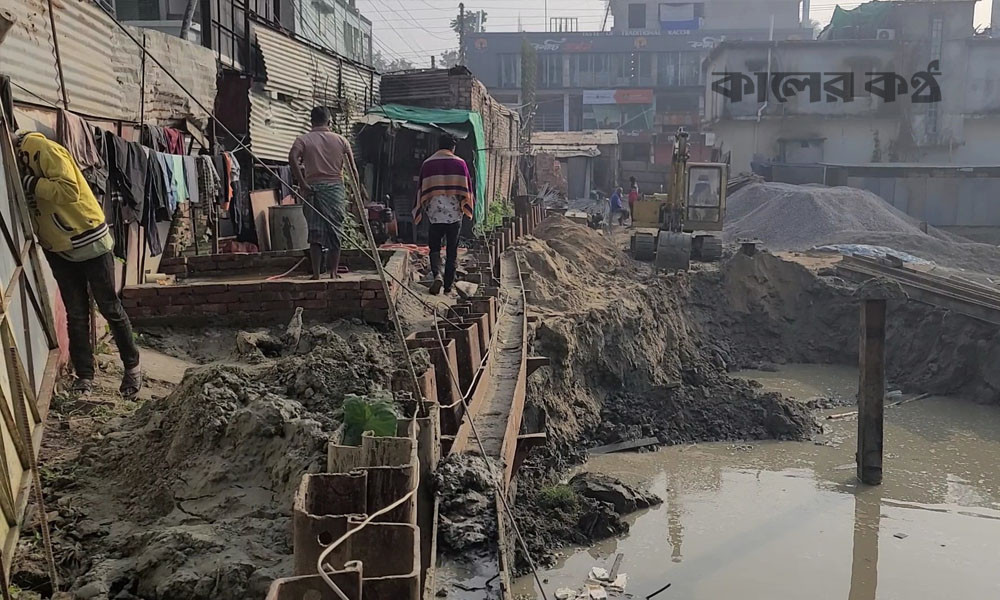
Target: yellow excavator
point(685, 223)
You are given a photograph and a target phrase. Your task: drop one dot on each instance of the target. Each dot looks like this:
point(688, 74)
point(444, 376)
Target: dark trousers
point(98, 274)
point(437, 232)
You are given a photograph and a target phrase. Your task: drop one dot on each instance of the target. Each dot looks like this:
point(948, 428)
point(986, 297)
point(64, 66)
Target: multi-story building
point(889, 87)
point(643, 77)
point(334, 25)
point(887, 49)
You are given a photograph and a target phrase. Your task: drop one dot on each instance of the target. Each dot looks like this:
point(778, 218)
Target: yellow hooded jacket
point(67, 217)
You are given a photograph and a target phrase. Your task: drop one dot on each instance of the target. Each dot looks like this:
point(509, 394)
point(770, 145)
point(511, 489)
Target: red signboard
point(633, 96)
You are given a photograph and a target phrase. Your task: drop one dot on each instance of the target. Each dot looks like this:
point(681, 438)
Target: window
point(550, 71)
point(642, 69)
point(581, 70)
point(679, 68)
point(139, 10)
point(636, 16)
point(510, 70)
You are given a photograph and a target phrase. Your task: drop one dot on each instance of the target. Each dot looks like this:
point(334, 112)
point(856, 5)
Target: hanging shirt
point(166, 171)
point(208, 179)
point(191, 178)
point(180, 180)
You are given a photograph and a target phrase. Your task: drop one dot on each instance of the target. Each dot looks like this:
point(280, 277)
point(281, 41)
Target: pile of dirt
point(189, 496)
point(795, 217)
point(570, 266)
point(762, 310)
point(618, 357)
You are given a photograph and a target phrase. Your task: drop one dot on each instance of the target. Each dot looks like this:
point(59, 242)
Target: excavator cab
point(689, 215)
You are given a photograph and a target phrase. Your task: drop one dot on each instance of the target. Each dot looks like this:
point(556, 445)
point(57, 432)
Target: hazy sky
point(416, 29)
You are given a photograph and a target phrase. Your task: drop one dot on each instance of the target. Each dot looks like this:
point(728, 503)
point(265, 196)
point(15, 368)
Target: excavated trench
point(637, 355)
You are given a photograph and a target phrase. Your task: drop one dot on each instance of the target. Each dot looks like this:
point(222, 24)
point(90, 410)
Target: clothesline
point(146, 181)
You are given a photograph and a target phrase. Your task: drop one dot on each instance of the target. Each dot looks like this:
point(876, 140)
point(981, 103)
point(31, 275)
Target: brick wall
point(262, 264)
point(263, 302)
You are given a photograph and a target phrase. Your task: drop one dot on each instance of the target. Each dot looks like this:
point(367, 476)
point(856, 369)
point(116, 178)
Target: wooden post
point(871, 391)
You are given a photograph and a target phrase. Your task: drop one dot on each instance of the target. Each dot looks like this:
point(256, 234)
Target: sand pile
point(191, 494)
point(795, 217)
point(571, 265)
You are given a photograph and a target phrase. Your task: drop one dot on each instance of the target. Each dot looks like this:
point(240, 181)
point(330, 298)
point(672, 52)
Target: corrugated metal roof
point(298, 78)
point(426, 87)
point(594, 137)
point(102, 66)
point(28, 56)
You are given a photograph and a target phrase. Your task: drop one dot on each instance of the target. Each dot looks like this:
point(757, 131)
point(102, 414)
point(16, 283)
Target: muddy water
point(788, 520)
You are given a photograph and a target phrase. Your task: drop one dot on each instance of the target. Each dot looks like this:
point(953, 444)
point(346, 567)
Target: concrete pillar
point(566, 112)
point(871, 391)
point(805, 13)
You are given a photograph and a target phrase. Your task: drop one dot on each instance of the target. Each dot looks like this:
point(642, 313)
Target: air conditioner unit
point(885, 34)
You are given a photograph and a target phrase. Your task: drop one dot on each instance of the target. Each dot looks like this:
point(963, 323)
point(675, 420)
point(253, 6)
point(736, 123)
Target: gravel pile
point(797, 217)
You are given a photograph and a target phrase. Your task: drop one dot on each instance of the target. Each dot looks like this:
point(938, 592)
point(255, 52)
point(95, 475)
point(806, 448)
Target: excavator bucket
point(673, 252)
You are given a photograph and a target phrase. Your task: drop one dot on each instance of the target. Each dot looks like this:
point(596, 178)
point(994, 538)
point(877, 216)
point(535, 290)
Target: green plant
point(559, 496)
point(499, 209)
point(377, 415)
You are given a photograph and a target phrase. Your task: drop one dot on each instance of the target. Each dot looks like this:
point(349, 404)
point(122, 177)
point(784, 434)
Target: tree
point(449, 59)
point(386, 65)
point(475, 21)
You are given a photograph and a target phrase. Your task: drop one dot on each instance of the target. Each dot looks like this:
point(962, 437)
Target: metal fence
point(30, 349)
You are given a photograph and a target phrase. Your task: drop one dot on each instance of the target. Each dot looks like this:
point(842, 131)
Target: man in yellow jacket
point(71, 229)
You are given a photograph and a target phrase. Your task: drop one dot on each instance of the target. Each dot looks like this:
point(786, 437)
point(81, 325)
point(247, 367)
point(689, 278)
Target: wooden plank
point(622, 446)
point(871, 395)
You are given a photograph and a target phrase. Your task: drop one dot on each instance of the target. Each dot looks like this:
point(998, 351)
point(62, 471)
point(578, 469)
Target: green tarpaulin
point(864, 20)
point(443, 117)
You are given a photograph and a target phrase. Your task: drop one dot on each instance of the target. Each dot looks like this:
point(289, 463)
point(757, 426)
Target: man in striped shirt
point(445, 197)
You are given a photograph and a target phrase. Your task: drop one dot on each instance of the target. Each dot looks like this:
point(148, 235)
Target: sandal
point(131, 383)
point(82, 386)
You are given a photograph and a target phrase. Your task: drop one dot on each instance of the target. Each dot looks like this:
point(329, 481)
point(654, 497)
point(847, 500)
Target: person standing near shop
point(72, 231)
point(317, 159)
point(445, 196)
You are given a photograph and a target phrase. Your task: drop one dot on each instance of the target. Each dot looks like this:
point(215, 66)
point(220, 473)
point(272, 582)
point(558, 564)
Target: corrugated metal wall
point(299, 77)
point(102, 66)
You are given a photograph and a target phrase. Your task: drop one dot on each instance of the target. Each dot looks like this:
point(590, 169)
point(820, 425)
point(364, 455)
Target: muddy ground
point(638, 355)
point(187, 493)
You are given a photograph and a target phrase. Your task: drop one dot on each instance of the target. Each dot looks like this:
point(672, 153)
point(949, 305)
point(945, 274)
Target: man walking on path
point(444, 196)
point(317, 159)
point(77, 242)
